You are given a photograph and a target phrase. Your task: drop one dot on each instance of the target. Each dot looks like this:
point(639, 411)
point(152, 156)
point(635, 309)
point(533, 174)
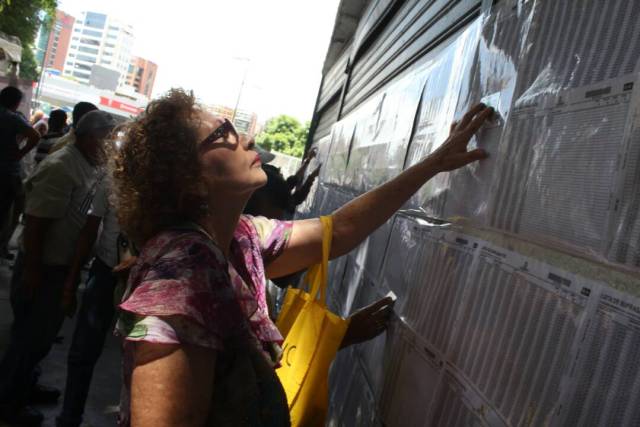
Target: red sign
point(132, 109)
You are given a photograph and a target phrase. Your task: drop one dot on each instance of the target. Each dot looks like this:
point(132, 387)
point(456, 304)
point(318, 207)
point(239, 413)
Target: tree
point(284, 134)
point(22, 18)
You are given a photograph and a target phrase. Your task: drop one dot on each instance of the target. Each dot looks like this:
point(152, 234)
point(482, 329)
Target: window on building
point(95, 20)
point(112, 36)
point(80, 74)
point(105, 62)
point(71, 55)
point(69, 63)
point(74, 46)
point(87, 58)
point(113, 28)
point(76, 30)
point(90, 42)
point(93, 33)
point(83, 67)
point(75, 39)
point(110, 45)
point(105, 53)
point(85, 49)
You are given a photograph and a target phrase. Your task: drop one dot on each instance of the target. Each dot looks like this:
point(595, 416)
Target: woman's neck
point(222, 220)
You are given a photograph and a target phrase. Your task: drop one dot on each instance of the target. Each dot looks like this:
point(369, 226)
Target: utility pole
point(244, 77)
point(49, 28)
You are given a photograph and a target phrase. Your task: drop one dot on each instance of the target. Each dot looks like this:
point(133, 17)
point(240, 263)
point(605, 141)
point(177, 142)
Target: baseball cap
point(95, 121)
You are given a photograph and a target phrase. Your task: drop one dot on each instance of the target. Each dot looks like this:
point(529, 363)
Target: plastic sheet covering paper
point(487, 336)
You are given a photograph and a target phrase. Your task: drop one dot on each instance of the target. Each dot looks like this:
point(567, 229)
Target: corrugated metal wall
point(517, 279)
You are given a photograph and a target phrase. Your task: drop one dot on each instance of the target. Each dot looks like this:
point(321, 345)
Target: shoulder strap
point(321, 269)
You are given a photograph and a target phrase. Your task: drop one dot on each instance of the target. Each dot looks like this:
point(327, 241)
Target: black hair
point(80, 109)
point(10, 97)
point(57, 120)
point(275, 191)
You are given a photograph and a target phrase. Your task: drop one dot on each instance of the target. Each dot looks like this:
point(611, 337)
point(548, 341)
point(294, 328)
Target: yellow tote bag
point(312, 337)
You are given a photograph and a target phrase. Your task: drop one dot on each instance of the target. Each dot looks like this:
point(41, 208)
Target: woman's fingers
point(478, 121)
point(466, 119)
point(385, 303)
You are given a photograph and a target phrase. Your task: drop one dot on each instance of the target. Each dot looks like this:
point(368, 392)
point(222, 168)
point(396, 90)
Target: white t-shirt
point(107, 245)
point(61, 188)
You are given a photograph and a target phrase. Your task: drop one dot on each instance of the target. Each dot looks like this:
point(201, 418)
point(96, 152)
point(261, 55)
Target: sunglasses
point(221, 131)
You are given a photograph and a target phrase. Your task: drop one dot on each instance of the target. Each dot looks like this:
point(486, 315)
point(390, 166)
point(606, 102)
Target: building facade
point(142, 75)
point(60, 92)
point(244, 121)
point(99, 39)
point(52, 46)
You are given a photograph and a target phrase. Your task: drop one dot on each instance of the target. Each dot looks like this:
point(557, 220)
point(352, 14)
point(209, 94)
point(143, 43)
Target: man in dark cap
point(57, 123)
point(79, 110)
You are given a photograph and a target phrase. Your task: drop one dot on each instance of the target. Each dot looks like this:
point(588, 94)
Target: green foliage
point(29, 65)
point(22, 18)
point(284, 134)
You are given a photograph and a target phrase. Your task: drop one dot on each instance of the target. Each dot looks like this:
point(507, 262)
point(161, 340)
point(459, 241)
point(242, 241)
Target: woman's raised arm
point(353, 222)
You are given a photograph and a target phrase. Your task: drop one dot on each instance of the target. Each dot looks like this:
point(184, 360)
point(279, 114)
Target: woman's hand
point(310, 155)
point(453, 153)
point(368, 322)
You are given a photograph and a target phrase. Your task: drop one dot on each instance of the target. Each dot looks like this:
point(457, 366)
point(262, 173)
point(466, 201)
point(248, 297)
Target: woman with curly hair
point(200, 348)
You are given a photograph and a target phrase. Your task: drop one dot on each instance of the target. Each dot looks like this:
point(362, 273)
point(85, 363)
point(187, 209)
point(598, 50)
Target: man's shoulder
point(66, 139)
point(60, 162)
point(12, 117)
point(60, 157)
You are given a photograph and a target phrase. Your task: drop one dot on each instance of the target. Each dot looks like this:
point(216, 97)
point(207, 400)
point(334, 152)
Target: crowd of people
point(207, 228)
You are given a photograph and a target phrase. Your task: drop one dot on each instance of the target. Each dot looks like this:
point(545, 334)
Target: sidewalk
point(102, 404)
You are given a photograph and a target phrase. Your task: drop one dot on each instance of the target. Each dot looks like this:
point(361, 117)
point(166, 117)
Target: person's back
point(80, 109)
point(57, 122)
point(66, 166)
point(12, 126)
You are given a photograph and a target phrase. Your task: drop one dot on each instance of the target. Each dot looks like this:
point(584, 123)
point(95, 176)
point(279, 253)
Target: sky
point(208, 46)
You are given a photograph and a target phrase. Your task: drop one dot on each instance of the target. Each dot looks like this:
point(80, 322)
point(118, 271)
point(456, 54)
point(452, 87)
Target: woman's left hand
point(368, 322)
point(453, 153)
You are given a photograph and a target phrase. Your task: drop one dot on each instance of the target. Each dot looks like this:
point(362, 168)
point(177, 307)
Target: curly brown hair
point(156, 171)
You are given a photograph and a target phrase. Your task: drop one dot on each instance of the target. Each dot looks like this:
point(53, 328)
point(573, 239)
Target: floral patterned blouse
point(182, 289)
